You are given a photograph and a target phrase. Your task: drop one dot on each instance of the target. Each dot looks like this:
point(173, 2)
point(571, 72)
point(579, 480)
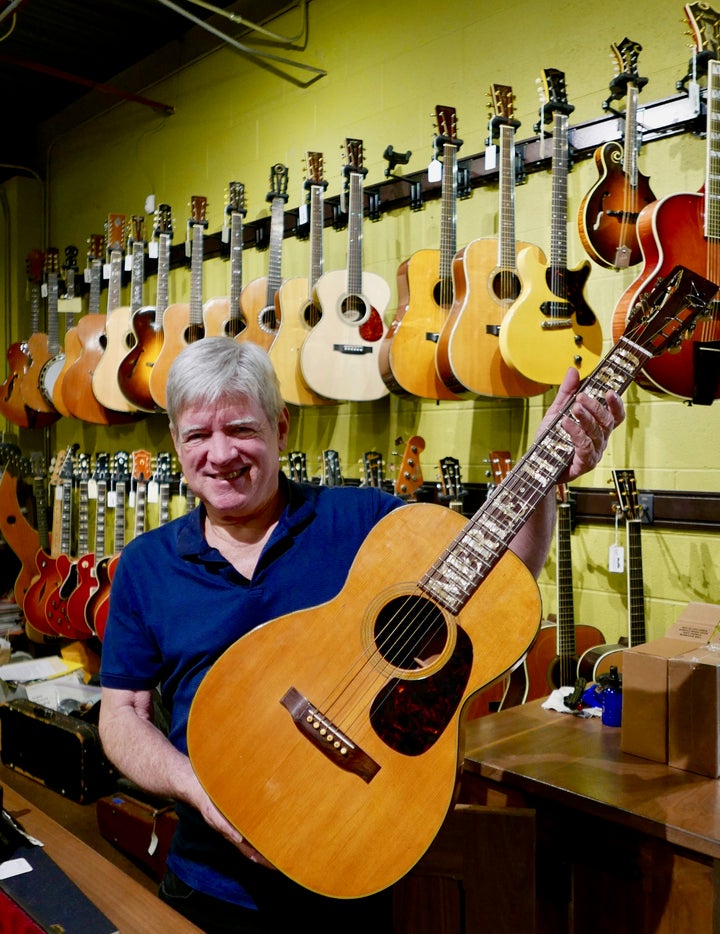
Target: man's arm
point(147, 757)
point(589, 430)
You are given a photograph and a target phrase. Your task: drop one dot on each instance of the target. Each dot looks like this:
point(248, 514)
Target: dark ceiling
point(61, 61)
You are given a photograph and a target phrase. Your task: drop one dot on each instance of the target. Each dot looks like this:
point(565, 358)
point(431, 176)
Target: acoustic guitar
point(299, 312)
point(596, 661)
point(367, 707)
point(485, 285)
point(222, 316)
point(339, 357)
point(552, 662)
point(134, 371)
point(56, 368)
point(425, 288)
point(550, 326)
point(258, 300)
point(119, 334)
point(41, 346)
point(607, 219)
point(685, 228)
point(183, 322)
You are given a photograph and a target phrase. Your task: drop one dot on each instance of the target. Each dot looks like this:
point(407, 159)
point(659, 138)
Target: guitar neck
point(115, 281)
point(712, 180)
point(355, 222)
point(485, 538)
point(277, 232)
point(100, 519)
point(317, 219)
point(196, 276)
point(448, 222)
point(52, 310)
point(137, 276)
point(630, 152)
point(558, 226)
point(96, 269)
point(566, 643)
point(163, 278)
point(83, 530)
point(236, 262)
point(507, 249)
point(636, 597)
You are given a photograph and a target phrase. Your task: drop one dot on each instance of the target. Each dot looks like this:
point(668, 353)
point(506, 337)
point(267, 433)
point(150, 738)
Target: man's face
point(229, 456)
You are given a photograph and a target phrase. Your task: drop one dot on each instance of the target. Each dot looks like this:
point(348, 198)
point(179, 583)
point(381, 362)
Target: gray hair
point(218, 368)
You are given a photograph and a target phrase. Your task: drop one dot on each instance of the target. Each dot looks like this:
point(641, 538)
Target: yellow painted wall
point(387, 66)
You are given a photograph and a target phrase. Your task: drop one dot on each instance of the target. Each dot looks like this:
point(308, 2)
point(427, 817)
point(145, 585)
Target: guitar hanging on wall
point(551, 327)
point(607, 219)
point(222, 316)
point(369, 704)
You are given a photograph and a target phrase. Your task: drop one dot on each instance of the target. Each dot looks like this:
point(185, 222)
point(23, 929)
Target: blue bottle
point(611, 697)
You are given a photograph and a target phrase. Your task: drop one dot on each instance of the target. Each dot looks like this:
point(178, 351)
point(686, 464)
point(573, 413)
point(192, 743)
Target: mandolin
point(183, 322)
point(425, 288)
point(485, 285)
point(550, 326)
point(366, 708)
point(119, 334)
point(684, 228)
point(258, 300)
point(552, 662)
point(134, 371)
point(596, 660)
point(607, 219)
point(222, 316)
point(299, 312)
point(339, 357)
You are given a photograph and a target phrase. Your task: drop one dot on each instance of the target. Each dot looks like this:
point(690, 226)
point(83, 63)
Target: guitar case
point(140, 825)
point(60, 751)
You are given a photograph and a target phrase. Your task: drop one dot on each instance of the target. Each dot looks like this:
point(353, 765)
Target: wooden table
point(623, 844)
point(124, 901)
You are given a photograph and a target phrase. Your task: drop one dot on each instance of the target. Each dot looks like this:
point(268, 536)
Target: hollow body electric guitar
point(425, 289)
point(607, 219)
point(339, 357)
point(485, 285)
point(359, 710)
point(685, 228)
point(550, 327)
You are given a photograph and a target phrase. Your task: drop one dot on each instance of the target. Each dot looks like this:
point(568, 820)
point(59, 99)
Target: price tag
point(435, 171)
point(616, 559)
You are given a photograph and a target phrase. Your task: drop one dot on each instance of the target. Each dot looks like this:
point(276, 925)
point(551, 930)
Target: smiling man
point(258, 546)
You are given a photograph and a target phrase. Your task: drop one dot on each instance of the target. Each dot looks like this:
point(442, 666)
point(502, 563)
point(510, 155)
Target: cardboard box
point(694, 711)
point(645, 716)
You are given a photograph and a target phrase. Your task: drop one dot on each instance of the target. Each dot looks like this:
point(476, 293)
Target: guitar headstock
point(52, 261)
point(136, 230)
point(37, 465)
point(501, 463)
point(450, 477)
point(446, 120)
point(96, 246)
point(659, 320)
point(502, 105)
point(198, 209)
point(409, 476)
point(71, 255)
point(332, 475)
point(297, 466)
point(236, 199)
point(354, 156)
point(141, 466)
point(626, 55)
point(278, 182)
point(163, 468)
point(62, 466)
point(163, 221)
point(101, 471)
point(626, 492)
point(315, 169)
point(114, 232)
point(373, 468)
point(704, 25)
point(553, 93)
point(34, 266)
point(121, 467)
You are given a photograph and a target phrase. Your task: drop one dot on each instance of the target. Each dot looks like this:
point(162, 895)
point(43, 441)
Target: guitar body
point(407, 353)
point(298, 316)
point(101, 598)
point(603, 222)
point(337, 360)
point(220, 321)
point(137, 365)
point(77, 385)
point(537, 344)
point(55, 370)
point(119, 339)
point(468, 355)
point(46, 580)
point(261, 319)
point(56, 602)
point(545, 667)
point(178, 332)
point(12, 404)
point(32, 386)
point(671, 231)
point(598, 659)
point(78, 599)
point(260, 777)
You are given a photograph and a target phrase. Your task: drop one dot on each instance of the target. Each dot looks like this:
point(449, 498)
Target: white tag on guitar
point(435, 171)
point(153, 491)
point(616, 559)
point(490, 157)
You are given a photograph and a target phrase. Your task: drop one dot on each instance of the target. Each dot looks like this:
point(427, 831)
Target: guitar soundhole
point(353, 308)
point(506, 286)
point(130, 341)
point(267, 319)
point(234, 327)
point(102, 340)
point(194, 332)
point(311, 314)
point(443, 293)
point(410, 632)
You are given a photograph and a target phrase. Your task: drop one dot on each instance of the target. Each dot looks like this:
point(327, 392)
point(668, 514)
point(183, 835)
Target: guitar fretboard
point(636, 596)
point(507, 248)
point(475, 551)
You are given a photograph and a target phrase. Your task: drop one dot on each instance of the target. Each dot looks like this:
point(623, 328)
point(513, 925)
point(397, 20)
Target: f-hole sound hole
point(506, 286)
point(353, 308)
point(410, 632)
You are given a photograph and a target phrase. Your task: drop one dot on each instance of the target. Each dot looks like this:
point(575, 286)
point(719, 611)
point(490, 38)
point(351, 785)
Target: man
point(257, 547)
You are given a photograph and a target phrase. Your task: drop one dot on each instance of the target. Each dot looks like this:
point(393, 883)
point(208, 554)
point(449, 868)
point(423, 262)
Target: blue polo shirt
point(177, 604)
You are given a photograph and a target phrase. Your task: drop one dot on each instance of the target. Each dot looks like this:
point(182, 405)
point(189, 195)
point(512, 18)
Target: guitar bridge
point(327, 738)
